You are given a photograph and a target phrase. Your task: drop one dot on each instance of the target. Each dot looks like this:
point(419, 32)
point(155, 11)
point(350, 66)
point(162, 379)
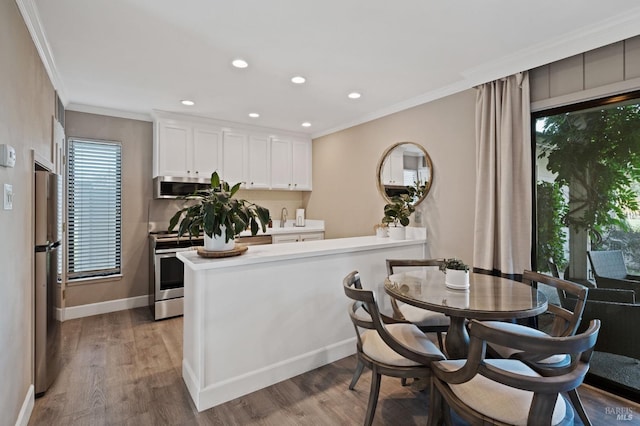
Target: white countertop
point(310, 225)
point(280, 252)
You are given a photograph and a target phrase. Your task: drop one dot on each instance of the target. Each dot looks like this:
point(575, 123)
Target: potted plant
point(396, 215)
point(220, 216)
point(381, 230)
point(400, 208)
point(457, 273)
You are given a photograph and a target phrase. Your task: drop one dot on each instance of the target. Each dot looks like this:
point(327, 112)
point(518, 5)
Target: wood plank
point(124, 368)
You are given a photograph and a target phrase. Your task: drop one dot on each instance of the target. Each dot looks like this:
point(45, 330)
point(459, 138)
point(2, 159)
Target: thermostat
point(7, 155)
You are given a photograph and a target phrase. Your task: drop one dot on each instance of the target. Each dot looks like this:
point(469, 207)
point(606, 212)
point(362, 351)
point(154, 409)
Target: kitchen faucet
point(283, 217)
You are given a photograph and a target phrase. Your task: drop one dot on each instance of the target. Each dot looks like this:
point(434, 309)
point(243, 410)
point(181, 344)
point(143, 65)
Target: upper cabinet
point(291, 164)
point(256, 157)
point(185, 150)
point(207, 151)
point(259, 162)
point(235, 154)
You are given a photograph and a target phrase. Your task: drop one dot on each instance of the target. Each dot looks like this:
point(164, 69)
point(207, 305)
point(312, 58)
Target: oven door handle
point(171, 252)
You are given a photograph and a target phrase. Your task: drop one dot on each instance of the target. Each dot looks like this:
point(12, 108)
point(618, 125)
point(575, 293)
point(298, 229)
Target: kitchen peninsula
point(275, 312)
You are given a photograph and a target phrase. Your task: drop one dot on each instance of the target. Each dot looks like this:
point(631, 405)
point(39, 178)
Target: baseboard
point(244, 384)
point(27, 408)
point(82, 311)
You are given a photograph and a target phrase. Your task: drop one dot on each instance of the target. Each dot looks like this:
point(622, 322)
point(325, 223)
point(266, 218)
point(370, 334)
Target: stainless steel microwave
point(174, 187)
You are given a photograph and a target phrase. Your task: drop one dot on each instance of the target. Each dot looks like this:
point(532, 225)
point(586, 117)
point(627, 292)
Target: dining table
point(487, 298)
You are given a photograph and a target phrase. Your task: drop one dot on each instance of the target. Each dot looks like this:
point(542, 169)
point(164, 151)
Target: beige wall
point(136, 137)
point(345, 194)
point(26, 111)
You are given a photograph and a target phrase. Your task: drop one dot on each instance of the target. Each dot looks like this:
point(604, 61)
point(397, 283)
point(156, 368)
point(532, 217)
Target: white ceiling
point(134, 56)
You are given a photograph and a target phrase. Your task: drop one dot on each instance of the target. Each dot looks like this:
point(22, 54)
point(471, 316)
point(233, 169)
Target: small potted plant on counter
point(457, 273)
point(381, 230)
point(219, 216)
point(396, 215)
point(400, 208)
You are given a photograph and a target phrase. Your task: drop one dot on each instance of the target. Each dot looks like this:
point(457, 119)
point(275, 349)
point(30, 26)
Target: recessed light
point(306, 124)
point(187, 102)
point(239, 63)
point(354, 95)
point(254, 115)
point(298, 79)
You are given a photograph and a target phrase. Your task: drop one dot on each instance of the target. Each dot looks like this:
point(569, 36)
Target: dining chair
point(564, 323)
point(397, 350)
point(510, 391)
point(427, 321)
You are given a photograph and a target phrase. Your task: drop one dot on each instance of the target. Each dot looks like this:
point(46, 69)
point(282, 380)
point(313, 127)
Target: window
point(588, 199)
point(588, 183)
point(94, 208)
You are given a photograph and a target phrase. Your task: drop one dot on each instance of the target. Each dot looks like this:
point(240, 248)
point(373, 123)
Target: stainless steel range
point(166, 273)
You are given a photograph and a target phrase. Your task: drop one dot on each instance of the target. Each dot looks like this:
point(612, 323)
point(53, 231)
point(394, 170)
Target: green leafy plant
point(215, 207)
point(596, 153)
point(551, 207)
point(398, 211)
point(455, 264)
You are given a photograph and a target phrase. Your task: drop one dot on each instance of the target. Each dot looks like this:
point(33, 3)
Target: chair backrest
point(364, 313)
point(607, 263)
point(546, 389)
point(565, 321)
point(394, 264)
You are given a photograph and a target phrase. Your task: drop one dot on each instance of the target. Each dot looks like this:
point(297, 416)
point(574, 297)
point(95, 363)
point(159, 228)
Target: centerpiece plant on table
point(457, 273)
point(219, 216)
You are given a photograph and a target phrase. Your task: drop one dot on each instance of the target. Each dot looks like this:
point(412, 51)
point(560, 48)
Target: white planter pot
point(217, 243)
point(457, 279)
point(397, 232)
point(381, 233)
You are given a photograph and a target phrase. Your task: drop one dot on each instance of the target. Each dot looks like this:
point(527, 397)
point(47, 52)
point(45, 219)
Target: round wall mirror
point(402, 165)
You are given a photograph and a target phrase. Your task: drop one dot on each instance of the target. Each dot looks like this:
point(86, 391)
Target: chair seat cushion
point(498, 401)
point(407, 334)
point(506, 352)
point(422, 317)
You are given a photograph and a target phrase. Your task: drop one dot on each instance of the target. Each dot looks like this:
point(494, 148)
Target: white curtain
point(502, 243)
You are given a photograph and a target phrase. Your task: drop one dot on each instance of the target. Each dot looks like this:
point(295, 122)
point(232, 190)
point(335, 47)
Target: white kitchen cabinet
point(171, 152)
point(206, 152)
point(235, 157)
point(295, 238)
point(291, 164)
point(184, 150)
point(393, 169)
point(259, 164)
point(258, 158)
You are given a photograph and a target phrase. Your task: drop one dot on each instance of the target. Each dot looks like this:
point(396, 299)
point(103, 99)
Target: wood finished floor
point(123, 368)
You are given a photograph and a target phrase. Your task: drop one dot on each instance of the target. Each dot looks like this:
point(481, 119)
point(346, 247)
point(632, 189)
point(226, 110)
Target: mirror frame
point(384, 157)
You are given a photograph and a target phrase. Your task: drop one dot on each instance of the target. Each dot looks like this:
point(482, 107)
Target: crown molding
point(609, 31)
point(110, 112)
point(32, 21)
point(398, 107)
point(225, 124)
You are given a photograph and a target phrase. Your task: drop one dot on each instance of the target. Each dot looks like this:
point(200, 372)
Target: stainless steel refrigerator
point(47, 244)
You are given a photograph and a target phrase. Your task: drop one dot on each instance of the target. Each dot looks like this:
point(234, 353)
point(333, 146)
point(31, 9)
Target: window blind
point(94, 208)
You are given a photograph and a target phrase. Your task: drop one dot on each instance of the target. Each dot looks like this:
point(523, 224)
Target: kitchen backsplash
point(161, 210)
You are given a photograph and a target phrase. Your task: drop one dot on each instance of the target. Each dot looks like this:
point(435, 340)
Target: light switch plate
point(8, 196)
